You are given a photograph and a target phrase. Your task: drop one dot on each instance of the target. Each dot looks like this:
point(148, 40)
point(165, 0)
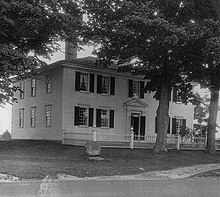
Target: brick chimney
point(70, 51)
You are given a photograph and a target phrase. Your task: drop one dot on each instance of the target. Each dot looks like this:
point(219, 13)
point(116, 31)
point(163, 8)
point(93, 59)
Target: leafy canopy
point(32, 28)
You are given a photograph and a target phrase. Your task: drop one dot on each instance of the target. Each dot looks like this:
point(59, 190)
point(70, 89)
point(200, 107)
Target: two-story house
point(77, 96)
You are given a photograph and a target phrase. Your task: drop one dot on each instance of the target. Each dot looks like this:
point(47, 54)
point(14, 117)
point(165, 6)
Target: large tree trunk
point(213, 113)
point(162, 120)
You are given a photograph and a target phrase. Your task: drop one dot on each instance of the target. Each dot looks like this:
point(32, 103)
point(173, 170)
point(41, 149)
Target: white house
point(77, 96)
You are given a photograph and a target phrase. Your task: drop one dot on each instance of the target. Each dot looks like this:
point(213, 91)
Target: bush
point(6, 135)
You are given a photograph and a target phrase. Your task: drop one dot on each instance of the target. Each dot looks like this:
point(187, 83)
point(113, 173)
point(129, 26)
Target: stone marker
point(92, 148)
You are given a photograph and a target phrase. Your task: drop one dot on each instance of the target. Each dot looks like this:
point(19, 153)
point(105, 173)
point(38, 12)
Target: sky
point(5, 113)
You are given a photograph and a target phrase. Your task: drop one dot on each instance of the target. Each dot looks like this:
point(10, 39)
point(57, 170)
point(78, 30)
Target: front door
point(138, 124)
point(135, 122)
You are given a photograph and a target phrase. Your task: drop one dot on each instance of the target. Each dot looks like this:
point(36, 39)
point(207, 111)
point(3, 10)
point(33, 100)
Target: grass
point(36, 159)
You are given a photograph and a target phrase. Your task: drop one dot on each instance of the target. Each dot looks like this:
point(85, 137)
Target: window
point(83, 116)
point(176, 95)
point(48, 109)
point(33, 116)
point(33, 87)
point(136, 88)
point(105, 118)
point(21, 118)
point(105, 85)
point(84, 82)
point(22, 90)
point(177, 122)
point(48, 84)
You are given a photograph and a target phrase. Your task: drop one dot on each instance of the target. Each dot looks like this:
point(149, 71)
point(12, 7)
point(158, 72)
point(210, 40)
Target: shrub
point(6, 135)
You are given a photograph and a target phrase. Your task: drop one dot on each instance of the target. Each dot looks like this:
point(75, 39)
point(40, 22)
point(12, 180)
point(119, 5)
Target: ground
point(36, 159)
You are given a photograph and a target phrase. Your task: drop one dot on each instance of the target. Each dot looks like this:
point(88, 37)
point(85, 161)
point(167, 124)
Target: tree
point(29, 29)
point(155, 34)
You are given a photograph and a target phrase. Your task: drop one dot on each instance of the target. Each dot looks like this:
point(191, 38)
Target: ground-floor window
point(177, 123)
point(48, 111)
point(105, 118)
point(21, 118)
point(83, 116)
point(33, 116)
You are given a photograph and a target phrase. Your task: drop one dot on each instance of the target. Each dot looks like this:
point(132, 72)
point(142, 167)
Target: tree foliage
point(29, 29)
point(158, 35)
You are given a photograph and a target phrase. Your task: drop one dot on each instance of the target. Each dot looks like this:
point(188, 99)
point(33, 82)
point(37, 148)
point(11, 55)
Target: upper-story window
point(176, 95)
point(22, 90)
point(33, 87)
point(105, 85)
point(84, 82)
point(48, 84)
point(33, 116)
point(21, 118)
point(136, 88)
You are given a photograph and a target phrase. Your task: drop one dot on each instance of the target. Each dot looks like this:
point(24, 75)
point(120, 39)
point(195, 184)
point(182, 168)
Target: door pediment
point(136, 102)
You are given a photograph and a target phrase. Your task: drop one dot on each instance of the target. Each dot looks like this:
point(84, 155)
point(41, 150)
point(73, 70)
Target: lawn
point(36, 159)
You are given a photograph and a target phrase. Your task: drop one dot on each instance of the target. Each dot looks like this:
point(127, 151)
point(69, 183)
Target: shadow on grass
point(36, 159)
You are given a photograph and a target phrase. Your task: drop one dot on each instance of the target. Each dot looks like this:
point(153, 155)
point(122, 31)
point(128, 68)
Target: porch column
point(132, 138)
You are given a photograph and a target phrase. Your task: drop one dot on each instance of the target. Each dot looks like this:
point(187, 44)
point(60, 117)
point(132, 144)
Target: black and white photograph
point(109, 98)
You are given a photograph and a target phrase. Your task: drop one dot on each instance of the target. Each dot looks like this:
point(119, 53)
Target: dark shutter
point(168, 130)
point(184, 123)
point(156, 124)
point(169, 95)
point(173, 125)
point(98, 117)
point(130, 88)
point(91, 83)
point(99, 84)
point(111, 124)
point(142, 89)
point(90, 117)
point(76, 116)
point(142, 129)
point(77, 81)
point(112, 86)
point(174, 94)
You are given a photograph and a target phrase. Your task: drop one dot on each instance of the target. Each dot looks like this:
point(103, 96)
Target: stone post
point(94, 134)
point(132, 137)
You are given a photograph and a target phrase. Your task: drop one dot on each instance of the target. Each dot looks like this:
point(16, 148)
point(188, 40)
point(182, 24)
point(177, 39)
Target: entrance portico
point(136, 117)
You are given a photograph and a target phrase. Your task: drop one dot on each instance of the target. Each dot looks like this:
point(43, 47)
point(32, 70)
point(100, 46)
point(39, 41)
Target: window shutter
point(98, 117)
point(91, 83)
point(169, 95)
point(156, 124)
point(184, 123)
point(168, 130)
point(112, 86)
point(90, 117)
point(77, 81)
point(142, 129)
point(142, 89)
point(111, 124)
point(173, 125)
point(99, 84)
point(174, 94)
point(130, 88)
point(76, 116)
